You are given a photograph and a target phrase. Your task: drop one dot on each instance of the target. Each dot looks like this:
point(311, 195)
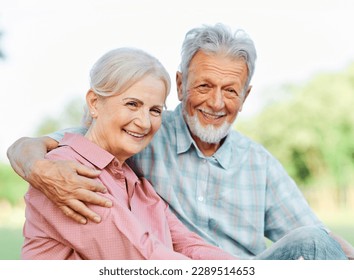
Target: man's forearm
point(25, 152)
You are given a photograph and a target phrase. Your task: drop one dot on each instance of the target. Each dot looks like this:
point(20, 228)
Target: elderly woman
point(125, 103)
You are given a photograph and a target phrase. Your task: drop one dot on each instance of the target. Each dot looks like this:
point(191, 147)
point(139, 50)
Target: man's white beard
point(209, 133)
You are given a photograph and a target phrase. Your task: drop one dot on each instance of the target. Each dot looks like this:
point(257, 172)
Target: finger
point(73, 215)
point(92, 185)
point(85, 170)
point(93, 198)
point(79, 208)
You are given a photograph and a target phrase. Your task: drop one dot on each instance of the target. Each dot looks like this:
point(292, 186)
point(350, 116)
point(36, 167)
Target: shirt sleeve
point(286, 207)
point(191, 244)
point(58, 135)
point(51, 235)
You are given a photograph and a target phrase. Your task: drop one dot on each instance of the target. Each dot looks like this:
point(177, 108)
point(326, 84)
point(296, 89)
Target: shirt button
point(200, 198)
point(204, 161)
point(115, 163)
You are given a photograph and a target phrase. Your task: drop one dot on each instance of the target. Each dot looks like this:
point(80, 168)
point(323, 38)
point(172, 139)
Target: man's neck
point(208, 149)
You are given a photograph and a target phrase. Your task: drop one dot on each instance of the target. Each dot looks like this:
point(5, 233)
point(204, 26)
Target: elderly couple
point(172, 185)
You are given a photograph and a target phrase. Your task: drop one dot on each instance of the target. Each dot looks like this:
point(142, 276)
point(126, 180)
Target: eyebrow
point(140, 102)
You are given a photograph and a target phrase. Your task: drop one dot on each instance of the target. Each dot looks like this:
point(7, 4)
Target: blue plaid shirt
point(232, 199)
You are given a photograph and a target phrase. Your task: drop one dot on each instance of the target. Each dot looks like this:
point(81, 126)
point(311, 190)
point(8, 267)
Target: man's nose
point(216, 99)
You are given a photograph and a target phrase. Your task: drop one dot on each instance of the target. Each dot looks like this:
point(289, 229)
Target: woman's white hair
point(119, 69)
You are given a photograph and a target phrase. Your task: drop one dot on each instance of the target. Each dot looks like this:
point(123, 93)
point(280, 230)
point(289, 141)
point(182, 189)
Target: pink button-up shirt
point(138, 226)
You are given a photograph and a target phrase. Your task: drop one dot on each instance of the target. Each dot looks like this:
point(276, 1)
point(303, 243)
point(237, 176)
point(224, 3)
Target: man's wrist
point(31, 168)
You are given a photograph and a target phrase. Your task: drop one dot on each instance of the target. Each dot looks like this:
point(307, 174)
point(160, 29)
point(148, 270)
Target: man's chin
point(207, 133)
point(210, 134)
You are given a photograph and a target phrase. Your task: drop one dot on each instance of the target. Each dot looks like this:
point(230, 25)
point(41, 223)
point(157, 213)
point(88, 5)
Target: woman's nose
point(143, 119)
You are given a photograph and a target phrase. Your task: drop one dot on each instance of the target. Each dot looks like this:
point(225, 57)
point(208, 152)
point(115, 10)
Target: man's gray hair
point(218, 39)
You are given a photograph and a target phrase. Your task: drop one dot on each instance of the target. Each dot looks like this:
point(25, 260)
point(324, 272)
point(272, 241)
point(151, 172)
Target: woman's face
point(124, 124)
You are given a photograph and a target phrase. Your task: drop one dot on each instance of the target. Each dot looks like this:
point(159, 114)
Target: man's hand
point(69, 185)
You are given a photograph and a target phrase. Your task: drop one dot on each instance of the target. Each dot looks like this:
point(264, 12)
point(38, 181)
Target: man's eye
point(155, 112)
point(203, 88)
point(233, 92)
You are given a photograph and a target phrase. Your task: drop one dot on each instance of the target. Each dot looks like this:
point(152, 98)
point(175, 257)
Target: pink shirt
point(138, 226)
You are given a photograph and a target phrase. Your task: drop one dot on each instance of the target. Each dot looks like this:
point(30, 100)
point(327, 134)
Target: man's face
point(214, 95)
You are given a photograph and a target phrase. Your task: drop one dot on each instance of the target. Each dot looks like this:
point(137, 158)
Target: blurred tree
point(70, 116)
point(312, 132)
point(12, 187)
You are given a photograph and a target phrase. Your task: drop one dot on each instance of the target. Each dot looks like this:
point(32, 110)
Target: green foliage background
point(310, 129)
point(70, 116)
point(12, 187)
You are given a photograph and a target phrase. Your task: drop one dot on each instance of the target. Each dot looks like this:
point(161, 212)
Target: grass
point(10, 243)
point(340, 223)
point(11, 239)
point(347, 232)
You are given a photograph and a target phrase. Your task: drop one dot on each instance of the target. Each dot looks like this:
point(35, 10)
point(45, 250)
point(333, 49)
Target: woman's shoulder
point(65, 153)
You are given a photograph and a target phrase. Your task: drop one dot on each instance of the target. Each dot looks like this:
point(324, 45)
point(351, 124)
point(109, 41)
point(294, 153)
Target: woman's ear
point(91, 101)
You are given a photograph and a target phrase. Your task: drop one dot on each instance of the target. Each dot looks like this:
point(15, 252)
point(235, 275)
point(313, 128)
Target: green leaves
point(311, 131)
point(12, 187)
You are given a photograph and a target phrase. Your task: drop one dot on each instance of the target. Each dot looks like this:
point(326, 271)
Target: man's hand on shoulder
point(69, 185)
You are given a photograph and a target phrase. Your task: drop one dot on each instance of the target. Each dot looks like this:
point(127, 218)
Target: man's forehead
point(202, 58)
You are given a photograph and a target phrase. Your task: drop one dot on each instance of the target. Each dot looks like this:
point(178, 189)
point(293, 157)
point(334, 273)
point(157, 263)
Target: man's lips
point(212, 115)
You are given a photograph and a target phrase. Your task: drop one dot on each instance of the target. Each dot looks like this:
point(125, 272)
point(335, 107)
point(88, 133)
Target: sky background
point(50, 46)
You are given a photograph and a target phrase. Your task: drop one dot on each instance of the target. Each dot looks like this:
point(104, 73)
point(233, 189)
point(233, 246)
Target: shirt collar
point(87, 149)
point(225, 152)
point(185, 141)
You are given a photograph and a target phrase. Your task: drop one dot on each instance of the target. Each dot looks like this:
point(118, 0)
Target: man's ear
point(91, 101)
point(179, 85)
point(244, 98)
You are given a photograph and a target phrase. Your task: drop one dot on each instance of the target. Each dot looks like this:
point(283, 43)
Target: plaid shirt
point(232, 199)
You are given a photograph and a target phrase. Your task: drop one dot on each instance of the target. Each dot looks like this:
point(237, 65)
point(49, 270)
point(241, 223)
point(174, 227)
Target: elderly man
point(222, 185)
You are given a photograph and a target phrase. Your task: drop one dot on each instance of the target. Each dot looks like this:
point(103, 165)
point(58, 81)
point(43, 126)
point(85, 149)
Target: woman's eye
point(132, 104)
point(155, 112)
